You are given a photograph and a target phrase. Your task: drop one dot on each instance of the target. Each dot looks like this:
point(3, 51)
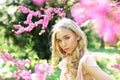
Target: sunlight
point(2, 1)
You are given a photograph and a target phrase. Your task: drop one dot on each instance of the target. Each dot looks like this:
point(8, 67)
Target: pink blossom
point(25, 74)
point(58, 10)
point(17, 26)
point(109, 34)
point(24, 9)
point(63, 14)
point(105, 30)
point(20, 29)
point(48, 12)
point(29, 19)
point(89, 9)
point(92, 3)
point(118, 58)
point(41, 71)
point(45, 22)
point(21, 63)
point(35, 76)
point(30, 27)
point(113, 16)
point(39, 22)
point(37, 14)
point(17, 75)
point(38, 2)
point(105, 17)
point(42, 31)
point(79, 13)
point(63, 1)
point(6, 56)
point(43, 68)
point(116, 66)
point(22, 74)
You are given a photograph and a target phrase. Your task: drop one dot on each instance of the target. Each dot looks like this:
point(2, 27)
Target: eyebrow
point(63, 36)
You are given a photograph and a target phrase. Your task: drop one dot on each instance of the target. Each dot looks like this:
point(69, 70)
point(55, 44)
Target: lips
point(66, 49)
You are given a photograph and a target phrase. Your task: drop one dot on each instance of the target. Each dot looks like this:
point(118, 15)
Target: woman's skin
point(95, 71)
point(67, 40)
point(69, 43)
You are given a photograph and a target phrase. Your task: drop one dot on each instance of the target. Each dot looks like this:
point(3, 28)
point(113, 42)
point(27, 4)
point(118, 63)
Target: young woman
point(69, 44)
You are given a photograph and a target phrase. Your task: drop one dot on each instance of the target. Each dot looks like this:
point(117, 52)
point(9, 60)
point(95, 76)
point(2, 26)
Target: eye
point(58, 40)
point(66, 37)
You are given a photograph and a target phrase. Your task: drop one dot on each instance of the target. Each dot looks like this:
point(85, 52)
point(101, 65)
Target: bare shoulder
point(90, 60)
point(93, 69)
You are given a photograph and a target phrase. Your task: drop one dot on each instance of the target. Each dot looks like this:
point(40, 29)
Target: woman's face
point(67, 40)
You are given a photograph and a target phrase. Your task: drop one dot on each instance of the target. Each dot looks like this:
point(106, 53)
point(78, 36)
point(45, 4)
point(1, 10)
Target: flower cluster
point(41, 70)
point(117, 66)
point(38, 2)
point(44, 18)
point(104, 15)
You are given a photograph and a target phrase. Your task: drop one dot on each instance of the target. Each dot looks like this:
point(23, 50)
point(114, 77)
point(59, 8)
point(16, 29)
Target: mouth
point(66, 49)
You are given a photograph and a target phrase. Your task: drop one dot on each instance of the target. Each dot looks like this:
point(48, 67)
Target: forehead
point(63, 32)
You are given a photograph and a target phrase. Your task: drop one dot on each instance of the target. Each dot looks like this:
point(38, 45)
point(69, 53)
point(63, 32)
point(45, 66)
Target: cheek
point(73, 42)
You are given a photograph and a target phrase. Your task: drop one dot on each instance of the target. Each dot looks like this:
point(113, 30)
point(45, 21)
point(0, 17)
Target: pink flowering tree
point(104, 14)
point(33, 20)
point(40, 72)
point(117, 64)
point(30, 20)
point(43, 19)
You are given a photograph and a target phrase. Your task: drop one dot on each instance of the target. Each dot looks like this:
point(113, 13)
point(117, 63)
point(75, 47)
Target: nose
point(63, 43)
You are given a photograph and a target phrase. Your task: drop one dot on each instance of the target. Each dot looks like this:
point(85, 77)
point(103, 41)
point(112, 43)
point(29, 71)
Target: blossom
point(43, 68)
point(20, 29)
point(116, 66)
point(38, 22)
point(63, 1)
point(44, 18)
point(24, 9)
point(35, 76)
point(38, 2)
point(22, 74)
point(79, 10)
point(104, 16)
point(30, 27)
point(45, 22)
point(109, 34)
point(21, 63)
point(6, 56)
point(37, 14)
point(29, 19)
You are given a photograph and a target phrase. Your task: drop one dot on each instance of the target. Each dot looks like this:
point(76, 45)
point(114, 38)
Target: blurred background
point(25, 27)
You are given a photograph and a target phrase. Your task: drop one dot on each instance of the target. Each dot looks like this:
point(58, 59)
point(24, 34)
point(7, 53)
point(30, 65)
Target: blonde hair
point(57, 52)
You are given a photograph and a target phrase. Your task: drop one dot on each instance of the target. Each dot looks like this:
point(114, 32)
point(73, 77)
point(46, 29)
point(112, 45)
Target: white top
point(81, 73)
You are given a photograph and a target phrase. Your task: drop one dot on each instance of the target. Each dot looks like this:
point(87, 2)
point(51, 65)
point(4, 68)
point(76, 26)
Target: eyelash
point(64, 38)
point(58, 41)
point(67, 37)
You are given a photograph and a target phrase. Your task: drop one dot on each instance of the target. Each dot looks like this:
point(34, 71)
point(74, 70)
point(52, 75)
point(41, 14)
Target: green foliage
point(107, 50)
point(92, 37)
point(55, 76)
point(105, 65)
point(41, 45)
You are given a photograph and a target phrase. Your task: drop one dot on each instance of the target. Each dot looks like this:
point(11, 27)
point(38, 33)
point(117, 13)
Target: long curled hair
point(58, 53)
